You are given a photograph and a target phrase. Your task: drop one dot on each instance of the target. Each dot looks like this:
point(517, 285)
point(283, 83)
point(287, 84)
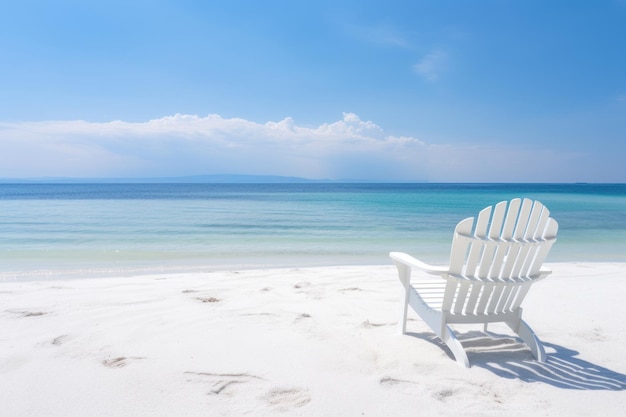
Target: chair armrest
point(408, 260)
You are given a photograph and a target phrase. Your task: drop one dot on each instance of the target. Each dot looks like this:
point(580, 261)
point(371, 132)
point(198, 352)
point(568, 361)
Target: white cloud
point(432, 65)
point(190, 145)
point(349, 148)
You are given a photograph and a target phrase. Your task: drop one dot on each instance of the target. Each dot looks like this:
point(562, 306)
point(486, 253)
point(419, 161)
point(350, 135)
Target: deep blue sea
point(66, 230)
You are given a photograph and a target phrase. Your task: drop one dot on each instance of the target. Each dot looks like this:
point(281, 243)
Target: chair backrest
point(493, 265)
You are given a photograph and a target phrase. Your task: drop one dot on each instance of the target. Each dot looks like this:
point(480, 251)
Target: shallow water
point(51, 230)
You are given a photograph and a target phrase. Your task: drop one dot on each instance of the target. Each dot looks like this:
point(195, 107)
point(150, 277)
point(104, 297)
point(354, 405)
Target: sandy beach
point(302, 342)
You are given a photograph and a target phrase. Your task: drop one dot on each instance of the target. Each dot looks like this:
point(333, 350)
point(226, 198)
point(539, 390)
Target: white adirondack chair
point(490, 272)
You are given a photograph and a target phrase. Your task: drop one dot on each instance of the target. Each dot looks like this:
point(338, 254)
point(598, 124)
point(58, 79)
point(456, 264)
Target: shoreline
point(55, 274)
point(301, 341)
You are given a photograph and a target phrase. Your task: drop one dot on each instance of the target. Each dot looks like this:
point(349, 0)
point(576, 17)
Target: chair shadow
point(507, 357)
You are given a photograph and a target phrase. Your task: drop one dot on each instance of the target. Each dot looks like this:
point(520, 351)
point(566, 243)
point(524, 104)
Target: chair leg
point(455, 347)
point(529, 337)
point(404, 273)
point(403, 311)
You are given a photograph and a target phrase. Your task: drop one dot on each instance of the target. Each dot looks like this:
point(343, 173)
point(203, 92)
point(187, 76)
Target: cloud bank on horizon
point(183, 145)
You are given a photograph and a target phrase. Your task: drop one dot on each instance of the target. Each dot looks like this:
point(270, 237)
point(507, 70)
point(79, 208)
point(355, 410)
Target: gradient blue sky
point(448, 91)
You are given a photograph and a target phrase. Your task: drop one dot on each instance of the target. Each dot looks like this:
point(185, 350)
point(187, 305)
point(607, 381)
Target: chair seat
point(431, 292)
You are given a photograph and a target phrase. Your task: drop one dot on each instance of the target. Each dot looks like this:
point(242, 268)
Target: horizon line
point(247, 179)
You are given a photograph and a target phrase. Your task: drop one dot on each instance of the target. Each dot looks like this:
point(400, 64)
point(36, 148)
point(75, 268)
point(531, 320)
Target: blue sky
point(447, 91)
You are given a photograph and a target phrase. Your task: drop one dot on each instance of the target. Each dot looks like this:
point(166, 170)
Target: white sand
point(310, 342)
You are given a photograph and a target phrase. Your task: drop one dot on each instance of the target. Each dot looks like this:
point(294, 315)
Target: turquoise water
point(110, 229)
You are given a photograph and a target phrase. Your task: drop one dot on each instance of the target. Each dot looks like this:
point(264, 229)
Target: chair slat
point(473, 298)
point(498, 260)
point(520, 262)
point(515, 289)
point(459, 248)
point(533, 220)
point(499, 212)
point(495, 298)
point(484, 297)
point(473, 258)
point(482, 224)
point(486, 261)
point(511, 219)
point(490, 263)
point(459, 303)
point(522, 219)
point(530, 261)
point(504, 298)
point(541, 225)
point(449, 295)
point(521, 295)
point(478, 247)
point(549, 235)
point(511, 259)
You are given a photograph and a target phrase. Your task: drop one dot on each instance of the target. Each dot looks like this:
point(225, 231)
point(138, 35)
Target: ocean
point(83, 230)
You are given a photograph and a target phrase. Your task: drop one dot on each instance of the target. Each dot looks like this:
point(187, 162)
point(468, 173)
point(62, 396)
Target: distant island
point(193, 179)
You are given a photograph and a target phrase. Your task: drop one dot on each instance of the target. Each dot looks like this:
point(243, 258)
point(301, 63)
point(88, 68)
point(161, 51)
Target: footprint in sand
point(119, 362)
point(302, 316)
point(403, 386)
point(58, 341)
point(286, 398)
point(309, 290)
point(25, 313)
point(369, 325)
point(443, 394)
point(389, 381)
point(224, 384)
point(246, 387)
point(208, 299)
